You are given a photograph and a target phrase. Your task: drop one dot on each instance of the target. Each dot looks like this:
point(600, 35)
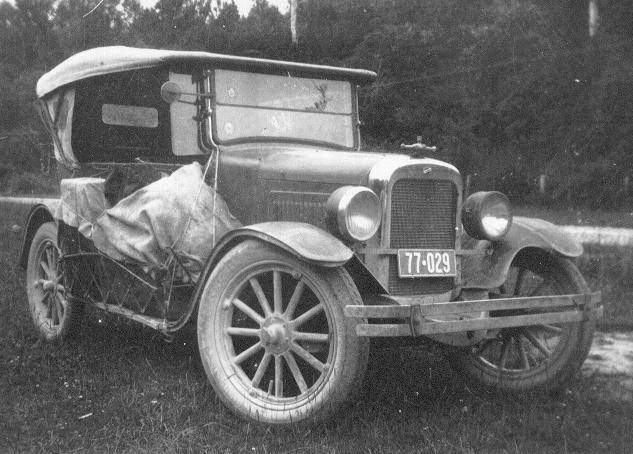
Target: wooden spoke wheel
point(273, 338)
point(52, 313)
point(532, 357)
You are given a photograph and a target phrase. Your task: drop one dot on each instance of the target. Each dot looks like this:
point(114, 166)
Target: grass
point(119, 387)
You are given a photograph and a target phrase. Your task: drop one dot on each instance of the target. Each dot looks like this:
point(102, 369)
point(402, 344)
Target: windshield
point(282, 107)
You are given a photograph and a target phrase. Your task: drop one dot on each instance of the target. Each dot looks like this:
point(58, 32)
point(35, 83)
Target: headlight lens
point(354, 213)
point(487, 215)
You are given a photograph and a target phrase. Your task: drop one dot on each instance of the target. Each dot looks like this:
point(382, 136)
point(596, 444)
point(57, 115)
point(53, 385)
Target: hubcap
point(275, 335)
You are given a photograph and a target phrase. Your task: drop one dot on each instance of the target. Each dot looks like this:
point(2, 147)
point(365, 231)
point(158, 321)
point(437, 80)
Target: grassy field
point(119, 387)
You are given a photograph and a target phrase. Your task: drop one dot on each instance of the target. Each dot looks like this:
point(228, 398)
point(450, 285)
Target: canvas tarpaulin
point(82, 203)
point(179, 214)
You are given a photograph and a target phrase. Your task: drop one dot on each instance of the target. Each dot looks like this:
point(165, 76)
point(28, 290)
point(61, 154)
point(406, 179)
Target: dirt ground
point(610, 362)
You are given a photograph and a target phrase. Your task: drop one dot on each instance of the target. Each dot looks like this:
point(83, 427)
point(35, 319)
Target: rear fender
point(38, 215)
point(489, 269)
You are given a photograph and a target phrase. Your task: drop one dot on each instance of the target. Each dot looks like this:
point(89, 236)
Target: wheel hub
point(275, 335)
point(48, 285)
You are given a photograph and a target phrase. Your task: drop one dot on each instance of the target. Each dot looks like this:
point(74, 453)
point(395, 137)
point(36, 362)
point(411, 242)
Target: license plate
point(426, 262)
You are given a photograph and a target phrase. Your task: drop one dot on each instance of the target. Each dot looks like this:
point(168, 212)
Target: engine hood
point(250, 173)
point(324, 166)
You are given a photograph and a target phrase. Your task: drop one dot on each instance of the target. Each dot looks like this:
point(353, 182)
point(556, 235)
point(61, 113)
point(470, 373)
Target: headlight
point(487, 215)
point(353, 212)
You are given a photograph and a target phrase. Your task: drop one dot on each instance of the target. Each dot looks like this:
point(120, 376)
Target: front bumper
point(417, 319)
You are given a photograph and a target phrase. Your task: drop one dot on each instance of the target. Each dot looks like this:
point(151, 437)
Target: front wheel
point(273, 338)
point(541, 357)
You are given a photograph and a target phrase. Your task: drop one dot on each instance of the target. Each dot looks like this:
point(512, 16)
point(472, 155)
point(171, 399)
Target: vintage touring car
point(231, 194)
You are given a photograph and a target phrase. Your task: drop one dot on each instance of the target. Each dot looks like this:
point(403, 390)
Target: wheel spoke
point(539, 288)
point(551, 328)
point(307, 315)
point(46, 269)
point(307, 357)
point(485, 345)
point(53, 310)
point(52, 261)
point(311, 337)
point(519, 281)
point(505, 349)
point(49, 306)
point(279, 377)
point(536, 342)
point(277, 301)
point(250, 351)
point(237, 331)
point(59, 307)
point(294, 300)
point(296, 372)
point(525, 362)
point(261, 297)
point(246, 309)
point(261, 369)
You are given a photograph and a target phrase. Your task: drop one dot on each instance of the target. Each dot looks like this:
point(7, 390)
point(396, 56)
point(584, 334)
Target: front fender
point(304, 241)
point(489, 269)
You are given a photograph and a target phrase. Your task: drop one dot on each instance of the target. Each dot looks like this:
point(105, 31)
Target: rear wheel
point(53, 315)
point(273, 338)
point(535, 357)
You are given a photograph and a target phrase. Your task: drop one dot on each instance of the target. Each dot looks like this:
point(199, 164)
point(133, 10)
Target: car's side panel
point(489, 269)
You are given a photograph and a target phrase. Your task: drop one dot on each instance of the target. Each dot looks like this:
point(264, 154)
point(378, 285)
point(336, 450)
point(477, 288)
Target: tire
point(55, 317)
point(265, 362)
point(542, 357)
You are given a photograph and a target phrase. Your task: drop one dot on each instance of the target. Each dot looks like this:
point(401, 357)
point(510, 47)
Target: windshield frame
point(209, 132)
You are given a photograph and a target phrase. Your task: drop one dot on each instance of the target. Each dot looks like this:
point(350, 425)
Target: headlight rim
point(337, 209)
point(472, 214)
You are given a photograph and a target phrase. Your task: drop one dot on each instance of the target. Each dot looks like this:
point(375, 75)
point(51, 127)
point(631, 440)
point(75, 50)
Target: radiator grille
point(422, 216)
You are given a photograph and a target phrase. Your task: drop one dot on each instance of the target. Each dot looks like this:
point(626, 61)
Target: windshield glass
point(270, 106)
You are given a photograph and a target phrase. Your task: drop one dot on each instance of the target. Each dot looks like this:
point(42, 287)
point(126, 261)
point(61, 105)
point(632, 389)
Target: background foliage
point(508, 90)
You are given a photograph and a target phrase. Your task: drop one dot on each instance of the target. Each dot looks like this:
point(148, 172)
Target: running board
point(153, 322)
